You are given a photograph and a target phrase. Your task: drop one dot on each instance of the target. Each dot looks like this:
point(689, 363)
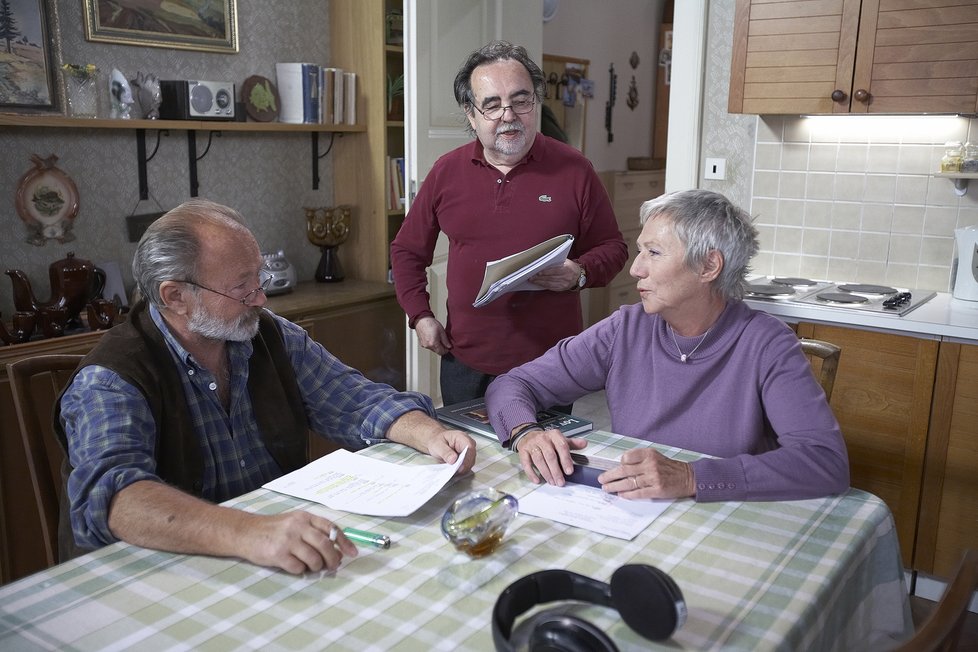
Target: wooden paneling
point(949, 503)
point(882, 399)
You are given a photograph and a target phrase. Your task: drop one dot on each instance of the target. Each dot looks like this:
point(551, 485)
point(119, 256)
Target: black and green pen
point(367, 538)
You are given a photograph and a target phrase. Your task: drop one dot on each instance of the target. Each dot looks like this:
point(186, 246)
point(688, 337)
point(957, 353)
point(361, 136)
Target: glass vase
point(81, 91)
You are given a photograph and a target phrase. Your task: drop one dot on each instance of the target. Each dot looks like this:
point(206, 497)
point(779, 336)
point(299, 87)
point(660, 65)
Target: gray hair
point(490, 53)
point(170, 249)
point(706, 221)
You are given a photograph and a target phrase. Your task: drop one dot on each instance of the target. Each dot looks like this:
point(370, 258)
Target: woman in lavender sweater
point(691, 366)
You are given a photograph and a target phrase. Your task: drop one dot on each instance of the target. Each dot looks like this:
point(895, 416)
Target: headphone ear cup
point(565, 633)
point(649, 600)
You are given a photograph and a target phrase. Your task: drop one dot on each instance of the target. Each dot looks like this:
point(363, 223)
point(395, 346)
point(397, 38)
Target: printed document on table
point(592, 509)
point(358, 484)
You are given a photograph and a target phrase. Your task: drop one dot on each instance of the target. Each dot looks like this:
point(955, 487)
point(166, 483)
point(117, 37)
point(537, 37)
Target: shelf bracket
point(192, 161)
point(960, 187)
point(141, 163)
point(316, 156)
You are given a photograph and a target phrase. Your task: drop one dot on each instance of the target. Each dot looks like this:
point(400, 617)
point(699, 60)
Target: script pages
point(510, 274)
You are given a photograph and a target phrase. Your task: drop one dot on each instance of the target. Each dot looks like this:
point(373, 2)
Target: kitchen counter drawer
point(629, 190)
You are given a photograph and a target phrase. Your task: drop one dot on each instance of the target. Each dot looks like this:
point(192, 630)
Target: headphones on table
point(648, 600)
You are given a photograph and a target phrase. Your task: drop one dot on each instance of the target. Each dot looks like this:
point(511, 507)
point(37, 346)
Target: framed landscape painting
point(206, 25)
point(29, 57)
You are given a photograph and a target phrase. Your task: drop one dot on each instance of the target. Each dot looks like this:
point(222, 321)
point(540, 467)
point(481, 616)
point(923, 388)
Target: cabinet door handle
point(838, 96)
point(862, 95)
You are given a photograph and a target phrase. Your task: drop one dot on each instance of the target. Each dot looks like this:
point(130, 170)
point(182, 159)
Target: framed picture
point(30, 57)
point(206, 25)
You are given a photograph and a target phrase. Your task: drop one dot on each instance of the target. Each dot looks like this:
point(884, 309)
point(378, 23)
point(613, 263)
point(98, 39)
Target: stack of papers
point(510, 274)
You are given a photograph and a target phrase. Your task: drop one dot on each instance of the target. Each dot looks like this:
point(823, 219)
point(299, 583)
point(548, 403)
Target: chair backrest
point(828, 354)
point(36, 383)
point(942, 629)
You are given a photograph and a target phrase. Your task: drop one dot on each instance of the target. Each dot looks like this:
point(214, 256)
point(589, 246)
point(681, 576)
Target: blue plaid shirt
point(112, 434)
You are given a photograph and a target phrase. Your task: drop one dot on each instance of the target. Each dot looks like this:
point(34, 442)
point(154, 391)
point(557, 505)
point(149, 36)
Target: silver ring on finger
point(635, 480)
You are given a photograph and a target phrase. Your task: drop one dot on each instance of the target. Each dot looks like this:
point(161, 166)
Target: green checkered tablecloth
point(802, 575)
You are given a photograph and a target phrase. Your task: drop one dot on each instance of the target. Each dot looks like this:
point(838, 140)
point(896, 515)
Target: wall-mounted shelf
point(191, 127)
point(959, 179)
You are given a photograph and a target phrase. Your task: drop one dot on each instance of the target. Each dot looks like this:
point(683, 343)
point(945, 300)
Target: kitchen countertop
point(943, 317)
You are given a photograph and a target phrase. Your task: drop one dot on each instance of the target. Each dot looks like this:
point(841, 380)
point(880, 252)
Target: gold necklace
point(683, 357)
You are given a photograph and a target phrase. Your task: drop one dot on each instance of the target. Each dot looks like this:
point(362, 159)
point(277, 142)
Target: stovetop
point(858, 297)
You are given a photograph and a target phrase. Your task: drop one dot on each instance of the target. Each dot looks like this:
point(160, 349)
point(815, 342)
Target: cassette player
point(196, 100)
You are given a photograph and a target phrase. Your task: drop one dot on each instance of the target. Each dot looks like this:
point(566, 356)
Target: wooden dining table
point(821, 574)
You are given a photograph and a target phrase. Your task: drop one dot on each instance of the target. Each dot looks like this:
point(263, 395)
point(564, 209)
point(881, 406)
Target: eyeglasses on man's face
point(264, 279)
point(519, 107)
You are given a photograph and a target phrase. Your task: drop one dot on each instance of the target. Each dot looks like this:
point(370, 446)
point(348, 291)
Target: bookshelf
point(395, 137)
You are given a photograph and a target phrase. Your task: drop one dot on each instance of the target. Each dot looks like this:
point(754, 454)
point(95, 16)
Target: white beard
point(212, 327)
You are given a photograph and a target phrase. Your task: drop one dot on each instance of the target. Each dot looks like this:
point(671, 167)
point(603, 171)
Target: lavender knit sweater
point(746, 396)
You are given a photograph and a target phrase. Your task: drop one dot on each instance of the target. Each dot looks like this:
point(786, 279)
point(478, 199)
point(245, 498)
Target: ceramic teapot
point(73, 282)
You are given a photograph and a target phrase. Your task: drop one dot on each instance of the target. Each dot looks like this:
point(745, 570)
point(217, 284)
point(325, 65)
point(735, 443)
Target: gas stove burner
point(840, 297)
point(791, 280)
point(867, 289)
point(769, 290)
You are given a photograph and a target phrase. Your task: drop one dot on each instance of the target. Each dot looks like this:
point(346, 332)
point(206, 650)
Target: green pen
point(367, 538)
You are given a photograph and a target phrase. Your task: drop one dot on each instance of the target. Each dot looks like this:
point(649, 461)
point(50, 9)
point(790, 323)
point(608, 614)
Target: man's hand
point(647, 473)
point(432, 335)
point(547, 452)
point(558, 279)
point(296, 542)
point(422, 433)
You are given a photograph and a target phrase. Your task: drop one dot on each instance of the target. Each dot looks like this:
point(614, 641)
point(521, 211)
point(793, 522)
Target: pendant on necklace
point(682, 358)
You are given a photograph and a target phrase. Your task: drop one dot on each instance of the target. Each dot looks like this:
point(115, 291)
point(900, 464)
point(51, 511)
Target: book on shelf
point(298, 89)
point(395, 183)
point(338, 101)
point(350, 98)
point(329, 91)
point(512, 273)
point(474, 417)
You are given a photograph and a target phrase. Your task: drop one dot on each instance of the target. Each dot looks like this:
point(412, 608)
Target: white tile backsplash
point(854, 199)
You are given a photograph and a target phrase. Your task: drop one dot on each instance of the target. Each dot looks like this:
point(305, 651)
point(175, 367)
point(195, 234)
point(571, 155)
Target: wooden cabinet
point(358, 321)
point(628, 191)
point(852, 56)
point(948, 507)
point(882, 399)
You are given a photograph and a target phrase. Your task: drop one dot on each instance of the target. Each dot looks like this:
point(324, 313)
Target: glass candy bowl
point(477, 522)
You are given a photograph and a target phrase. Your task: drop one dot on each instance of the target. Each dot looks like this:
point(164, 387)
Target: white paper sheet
point(592, 509)
point(358, 484)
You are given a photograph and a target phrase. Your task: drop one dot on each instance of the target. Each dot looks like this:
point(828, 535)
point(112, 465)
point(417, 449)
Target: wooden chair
point(829, 355)
point(942, 629)
point(36, 383)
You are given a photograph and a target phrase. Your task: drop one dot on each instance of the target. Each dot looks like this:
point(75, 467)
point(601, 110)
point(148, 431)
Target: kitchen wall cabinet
point(852, 56)
point(358, 321)
point(948, 510)
point(882, 398)
point(627, 191)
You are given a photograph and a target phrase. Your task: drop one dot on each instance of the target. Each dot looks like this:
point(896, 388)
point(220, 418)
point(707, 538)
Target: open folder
point(510, 274)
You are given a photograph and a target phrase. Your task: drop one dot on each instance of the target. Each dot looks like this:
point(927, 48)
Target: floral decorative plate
point(47, 202)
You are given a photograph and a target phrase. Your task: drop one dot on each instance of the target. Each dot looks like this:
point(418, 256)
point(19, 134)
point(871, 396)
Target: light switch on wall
point(716, 168)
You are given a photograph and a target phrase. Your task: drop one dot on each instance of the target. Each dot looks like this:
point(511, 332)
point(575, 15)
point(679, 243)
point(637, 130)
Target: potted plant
point(395, 91)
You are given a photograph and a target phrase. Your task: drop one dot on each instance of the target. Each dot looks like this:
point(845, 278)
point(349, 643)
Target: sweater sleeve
point(412, 251)
point(603, 250)
point(810, 459)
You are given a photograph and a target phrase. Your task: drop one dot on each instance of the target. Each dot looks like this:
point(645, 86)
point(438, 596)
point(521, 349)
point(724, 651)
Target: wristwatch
point(582, 279)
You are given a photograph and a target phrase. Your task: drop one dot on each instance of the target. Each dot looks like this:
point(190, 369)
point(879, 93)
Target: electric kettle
point(964, 269)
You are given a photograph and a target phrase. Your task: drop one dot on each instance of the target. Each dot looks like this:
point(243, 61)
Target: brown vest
point(137, 351)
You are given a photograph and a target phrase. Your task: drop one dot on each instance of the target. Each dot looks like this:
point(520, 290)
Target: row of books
point(474, 417)
point(314, 94)
point(395, 183)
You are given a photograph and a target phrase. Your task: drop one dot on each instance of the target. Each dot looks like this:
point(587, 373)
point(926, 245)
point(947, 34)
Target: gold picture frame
point(30, 79)
point(129, 22)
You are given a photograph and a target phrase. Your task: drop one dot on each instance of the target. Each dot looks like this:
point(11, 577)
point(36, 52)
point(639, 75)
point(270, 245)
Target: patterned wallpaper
point(265, 176)
point(847, 198)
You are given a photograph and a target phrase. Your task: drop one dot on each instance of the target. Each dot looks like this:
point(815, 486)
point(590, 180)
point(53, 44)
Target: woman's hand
point(546, 454)
point(647, 473)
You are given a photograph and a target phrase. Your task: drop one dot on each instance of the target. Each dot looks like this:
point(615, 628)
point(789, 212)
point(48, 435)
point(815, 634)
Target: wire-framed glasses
point(519, 107)
point(264, 278)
